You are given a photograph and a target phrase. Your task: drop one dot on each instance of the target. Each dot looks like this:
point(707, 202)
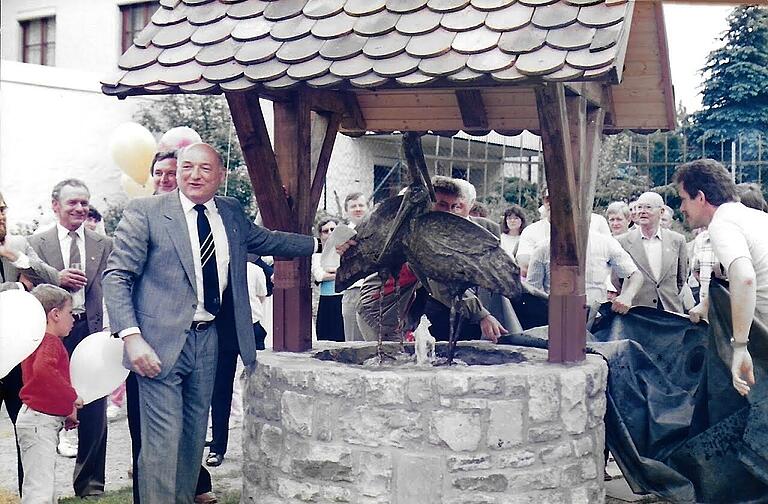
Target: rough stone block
point(461, 431)
point(590, 493)
point(474, 498)
point(324, 422)
point(469, 462)
point(271, 405)
point(289, 489)
point(484, 483)
point(538, 479)
point(573, 394)
point(339, 382)
point(368, 426)
point(332, 493)
point(469, 403)
point(452, 382)
point(419, 479)
point(548, 497)
point(545, 433)
point(485, 383)
point(324, 462)
point(505, 427)
point(297, 412)
point(374, 475)
point(596, 406)
point(384, 388)
point(583, 446)
point(552, 454)
point(295, 377)
point(271, 443)
point(516, 459)
point(419, 389)
point(596, 377)
point(544, 402)
point(515, 386)
point(589, 469)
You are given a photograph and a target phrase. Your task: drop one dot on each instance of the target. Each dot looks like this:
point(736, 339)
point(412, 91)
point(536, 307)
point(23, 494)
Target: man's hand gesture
point(144, 360)
point(742, 371)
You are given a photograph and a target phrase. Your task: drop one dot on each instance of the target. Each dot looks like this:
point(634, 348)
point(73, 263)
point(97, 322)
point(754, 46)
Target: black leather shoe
point(214, 459)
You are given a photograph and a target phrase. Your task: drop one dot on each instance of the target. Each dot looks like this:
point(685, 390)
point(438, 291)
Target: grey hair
point(72, 182)
point(618, 207)
point(468, 190)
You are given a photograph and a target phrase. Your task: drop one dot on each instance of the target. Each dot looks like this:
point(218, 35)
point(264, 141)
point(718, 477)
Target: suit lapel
point(637, 251)
point(94, 249)
point(50, 248)
point(176, 225)
point(668, 256)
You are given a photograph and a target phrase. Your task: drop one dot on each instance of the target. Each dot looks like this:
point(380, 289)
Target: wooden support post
point(570, 135)
point(287, 183)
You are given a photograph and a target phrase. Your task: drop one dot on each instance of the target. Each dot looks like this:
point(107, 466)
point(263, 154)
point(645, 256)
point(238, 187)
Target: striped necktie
point(211, 299)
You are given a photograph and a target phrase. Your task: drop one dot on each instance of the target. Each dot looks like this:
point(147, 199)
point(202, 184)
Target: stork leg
point(379, 347)
point(400, 332)
point(453, 329)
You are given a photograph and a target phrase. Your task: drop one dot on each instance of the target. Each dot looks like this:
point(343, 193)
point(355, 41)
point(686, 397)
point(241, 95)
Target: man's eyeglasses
point(327, 230)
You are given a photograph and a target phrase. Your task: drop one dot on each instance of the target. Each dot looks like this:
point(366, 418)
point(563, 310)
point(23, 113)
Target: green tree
point(735, 88)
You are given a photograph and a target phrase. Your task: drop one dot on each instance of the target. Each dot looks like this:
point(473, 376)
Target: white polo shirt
point(738, 231)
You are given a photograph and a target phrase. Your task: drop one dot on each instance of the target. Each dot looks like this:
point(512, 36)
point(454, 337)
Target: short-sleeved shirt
point(738, 231)
point(257, 290)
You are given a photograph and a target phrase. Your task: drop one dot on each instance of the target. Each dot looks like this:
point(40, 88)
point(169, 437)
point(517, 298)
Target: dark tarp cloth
point(674, 423)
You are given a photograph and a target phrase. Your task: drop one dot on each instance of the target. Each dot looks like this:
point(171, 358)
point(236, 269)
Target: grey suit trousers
point(174, 418)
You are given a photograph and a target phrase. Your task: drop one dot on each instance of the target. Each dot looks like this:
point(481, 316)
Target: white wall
point(55, 123)
point(87, 31)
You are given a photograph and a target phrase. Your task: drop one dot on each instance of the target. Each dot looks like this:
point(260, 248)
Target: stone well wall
point(318, 431)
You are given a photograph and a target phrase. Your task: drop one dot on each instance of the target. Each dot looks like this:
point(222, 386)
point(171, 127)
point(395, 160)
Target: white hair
point(467, 190)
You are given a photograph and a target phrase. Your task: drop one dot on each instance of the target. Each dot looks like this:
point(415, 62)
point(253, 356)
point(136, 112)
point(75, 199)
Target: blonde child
point(49, 401)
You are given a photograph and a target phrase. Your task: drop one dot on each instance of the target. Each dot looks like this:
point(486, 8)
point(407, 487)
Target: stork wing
point(454, 250)
point(360, 261)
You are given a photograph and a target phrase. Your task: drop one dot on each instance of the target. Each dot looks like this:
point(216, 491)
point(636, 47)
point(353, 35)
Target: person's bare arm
point(623, 302)
point(743, 299)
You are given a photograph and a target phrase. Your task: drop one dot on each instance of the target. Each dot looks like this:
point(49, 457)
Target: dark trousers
point(88, 478)
point(439, 316)
point(134, 427)
point(9, 394)
point(221, 402)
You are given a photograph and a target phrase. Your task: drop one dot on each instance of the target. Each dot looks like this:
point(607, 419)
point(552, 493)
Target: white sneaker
point(66, 448)
point(113, 412)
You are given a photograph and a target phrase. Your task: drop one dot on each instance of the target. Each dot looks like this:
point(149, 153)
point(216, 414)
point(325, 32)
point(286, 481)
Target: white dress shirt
point(65, 242)
point(222, 250)
point(653, 251)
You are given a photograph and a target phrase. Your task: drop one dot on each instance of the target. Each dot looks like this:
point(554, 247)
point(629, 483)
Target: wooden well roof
point(411, 64)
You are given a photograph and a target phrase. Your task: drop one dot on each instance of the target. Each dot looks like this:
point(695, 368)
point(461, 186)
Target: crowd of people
point(183, 283)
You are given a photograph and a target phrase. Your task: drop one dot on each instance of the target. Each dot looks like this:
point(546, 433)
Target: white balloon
point(22, 327)
point(178, 137)
point(96, 367)
point(132, 147)
point(134, 190)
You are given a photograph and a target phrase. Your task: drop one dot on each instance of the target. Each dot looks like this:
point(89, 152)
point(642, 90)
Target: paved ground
point(226, 477)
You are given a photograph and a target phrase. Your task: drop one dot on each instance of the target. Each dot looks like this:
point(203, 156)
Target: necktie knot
point(200, 208)
point(73, 235)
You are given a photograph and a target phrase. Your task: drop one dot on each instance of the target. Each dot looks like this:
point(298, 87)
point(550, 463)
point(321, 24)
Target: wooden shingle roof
point(380, 46)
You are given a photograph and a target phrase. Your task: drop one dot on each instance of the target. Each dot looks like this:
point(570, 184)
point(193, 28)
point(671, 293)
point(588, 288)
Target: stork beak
point(405, 209)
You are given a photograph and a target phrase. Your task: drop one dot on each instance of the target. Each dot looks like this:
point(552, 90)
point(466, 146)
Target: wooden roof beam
point(472, 109)
point(597, 95)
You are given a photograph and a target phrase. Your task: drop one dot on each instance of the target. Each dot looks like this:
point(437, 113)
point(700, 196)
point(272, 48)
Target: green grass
point(125, 496)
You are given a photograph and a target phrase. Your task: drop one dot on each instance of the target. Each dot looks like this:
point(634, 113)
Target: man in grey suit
point(660, 254)
point(176, 276)
point(20, 268)
point(80, 256)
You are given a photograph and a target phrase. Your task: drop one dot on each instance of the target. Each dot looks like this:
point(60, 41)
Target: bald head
point(200, 172)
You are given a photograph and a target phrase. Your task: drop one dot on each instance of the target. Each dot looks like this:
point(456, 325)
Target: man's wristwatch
point(739, 344)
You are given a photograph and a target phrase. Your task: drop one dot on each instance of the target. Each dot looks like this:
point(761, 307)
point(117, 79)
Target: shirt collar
point(656, 235)
point(188, 205)
point(64, 232)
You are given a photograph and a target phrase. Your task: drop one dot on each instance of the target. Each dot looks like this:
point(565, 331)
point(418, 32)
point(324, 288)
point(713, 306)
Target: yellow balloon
point(133, 146)
point(134, 190)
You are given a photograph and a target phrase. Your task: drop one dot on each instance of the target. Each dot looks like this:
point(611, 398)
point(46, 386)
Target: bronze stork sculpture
point(438, 245)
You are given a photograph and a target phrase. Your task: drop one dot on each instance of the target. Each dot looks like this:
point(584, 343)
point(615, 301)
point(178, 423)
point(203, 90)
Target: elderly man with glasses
point(660, 254)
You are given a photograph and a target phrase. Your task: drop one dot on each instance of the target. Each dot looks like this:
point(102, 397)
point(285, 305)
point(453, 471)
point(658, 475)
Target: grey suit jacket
point(674, 269)
point(97, 250)
point(150, 283)
point(38, 272)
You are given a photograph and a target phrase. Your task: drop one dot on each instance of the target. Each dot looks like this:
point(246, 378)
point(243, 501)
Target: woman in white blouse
point(329, 324)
